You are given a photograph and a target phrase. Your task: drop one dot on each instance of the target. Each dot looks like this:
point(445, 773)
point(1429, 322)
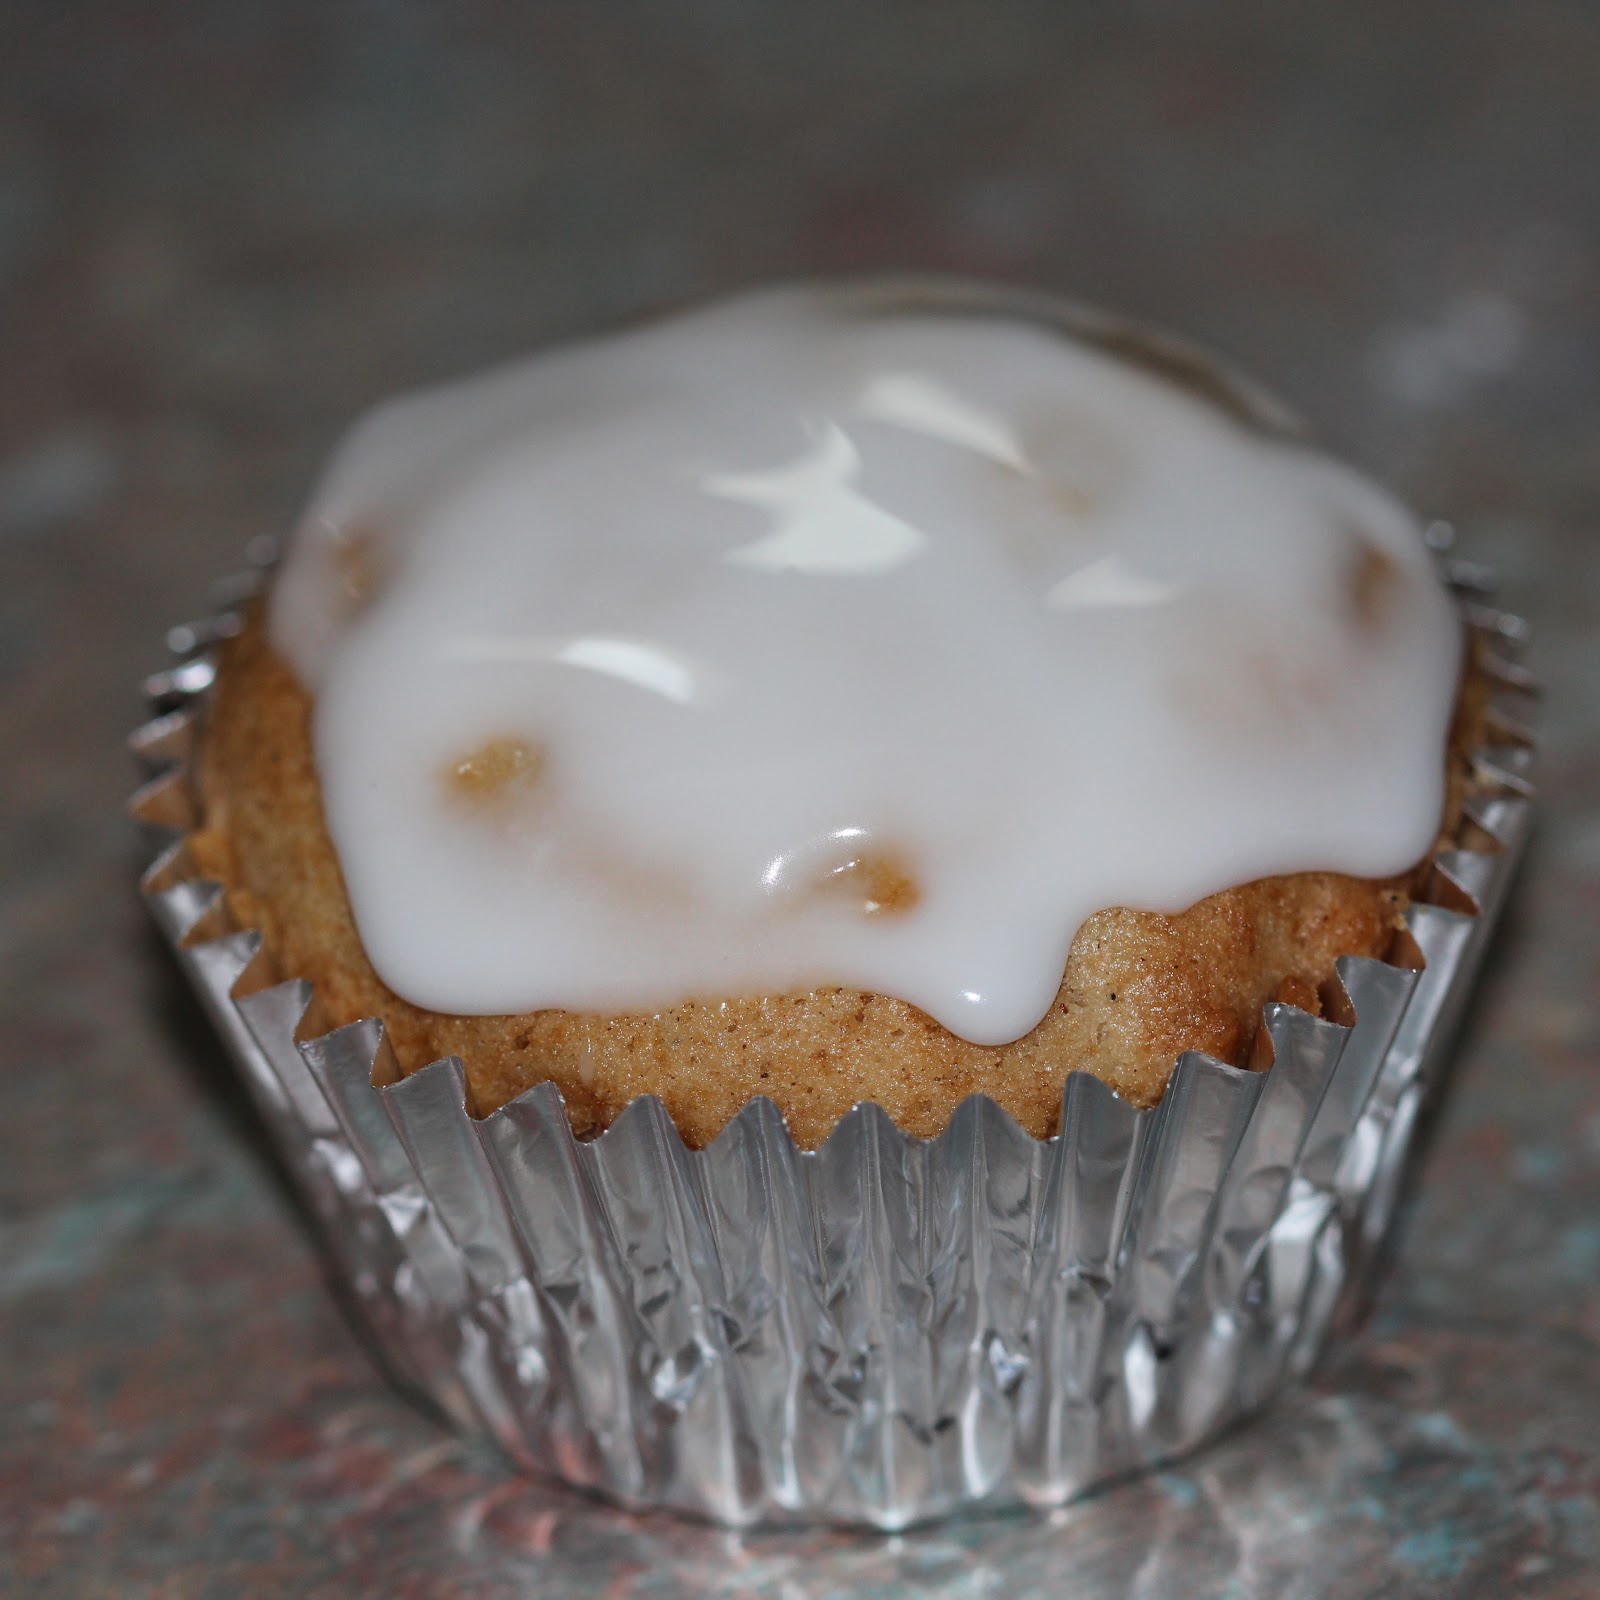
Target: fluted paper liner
point(887, 1328)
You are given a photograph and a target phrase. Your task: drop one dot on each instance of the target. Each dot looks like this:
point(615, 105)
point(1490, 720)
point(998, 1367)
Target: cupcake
point(846, 900)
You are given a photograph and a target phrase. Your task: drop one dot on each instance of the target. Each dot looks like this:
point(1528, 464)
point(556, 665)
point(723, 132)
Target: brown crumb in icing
point(878, 881)
point(1372, 585)
point(1072, 498)
point(1077, 461)
point(489, 771)
point(356, 566)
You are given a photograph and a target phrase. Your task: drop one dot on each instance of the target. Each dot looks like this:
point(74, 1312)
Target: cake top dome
point(845, 635)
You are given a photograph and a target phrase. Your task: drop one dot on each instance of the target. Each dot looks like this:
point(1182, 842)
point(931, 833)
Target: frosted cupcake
point(883, 694)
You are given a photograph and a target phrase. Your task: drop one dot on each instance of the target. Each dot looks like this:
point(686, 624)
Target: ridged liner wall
point(885, 1329)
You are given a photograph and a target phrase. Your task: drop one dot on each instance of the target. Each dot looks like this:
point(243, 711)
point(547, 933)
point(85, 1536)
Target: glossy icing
point(829, 637)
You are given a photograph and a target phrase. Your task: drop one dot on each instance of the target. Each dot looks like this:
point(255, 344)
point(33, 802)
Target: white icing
point(789, 579)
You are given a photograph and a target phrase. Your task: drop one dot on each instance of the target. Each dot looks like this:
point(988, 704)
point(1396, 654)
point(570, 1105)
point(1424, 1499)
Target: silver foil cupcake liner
point(885, 1329)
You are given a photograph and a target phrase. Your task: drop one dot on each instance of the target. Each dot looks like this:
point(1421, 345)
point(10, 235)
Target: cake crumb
point(878, 881)
point(488, 771)
point(1372, 585)
point(356, 566)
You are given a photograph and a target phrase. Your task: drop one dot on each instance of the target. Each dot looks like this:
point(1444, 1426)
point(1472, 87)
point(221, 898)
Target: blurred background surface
point(224, 229)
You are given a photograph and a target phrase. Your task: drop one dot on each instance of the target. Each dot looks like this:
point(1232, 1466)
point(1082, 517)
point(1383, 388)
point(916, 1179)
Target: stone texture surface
point(225, 228)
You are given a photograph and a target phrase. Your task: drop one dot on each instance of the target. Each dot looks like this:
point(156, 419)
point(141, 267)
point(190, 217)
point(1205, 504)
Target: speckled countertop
point(225, 228)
